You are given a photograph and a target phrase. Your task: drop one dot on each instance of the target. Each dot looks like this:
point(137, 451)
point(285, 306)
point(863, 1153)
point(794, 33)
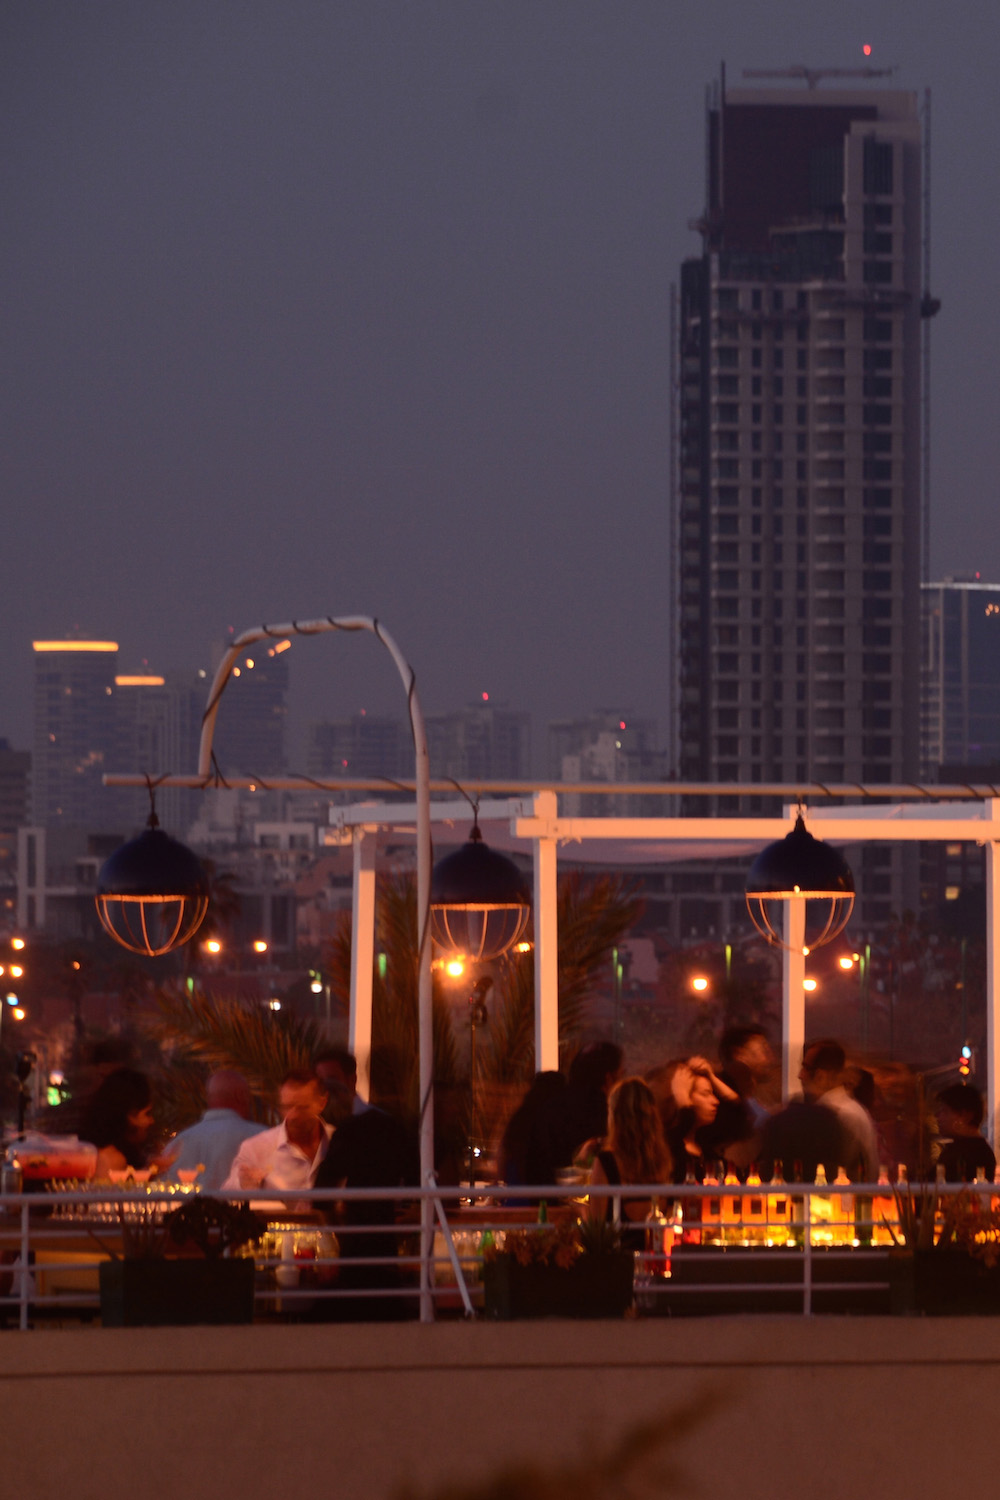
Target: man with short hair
point(337, 1071)
point(289, 1155)
point(747, 1061)
point(213, 1142)
point(822, 1079)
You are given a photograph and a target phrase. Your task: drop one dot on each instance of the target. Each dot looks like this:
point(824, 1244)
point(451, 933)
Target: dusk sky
point(363, 307)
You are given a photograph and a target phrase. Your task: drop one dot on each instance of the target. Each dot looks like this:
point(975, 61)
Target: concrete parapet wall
point(818, 1407)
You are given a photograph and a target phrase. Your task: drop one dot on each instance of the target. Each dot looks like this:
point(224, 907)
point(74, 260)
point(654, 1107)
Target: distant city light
point(867, 49)
point(17, 942)
point(809, 984)
point(259, 945)
point(74, 645)
point(699, 983)
point(486, 697)
point(274, 1003)
point(846, 961)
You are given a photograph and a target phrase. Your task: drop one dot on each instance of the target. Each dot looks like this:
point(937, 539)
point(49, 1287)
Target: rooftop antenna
point(812, 76)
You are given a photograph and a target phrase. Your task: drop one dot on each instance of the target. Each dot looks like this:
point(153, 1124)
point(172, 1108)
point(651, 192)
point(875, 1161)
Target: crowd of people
point(691, 1118)
point(687, 1120)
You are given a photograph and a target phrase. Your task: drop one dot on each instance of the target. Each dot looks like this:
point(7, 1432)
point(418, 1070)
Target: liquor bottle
point(732, 1209)
point(883, 1211)
point(690, 1211)
point(842, 1211)
point(754, 1211)
point(779, 1210)
point(820, 1212)
point(711, 1210)
point(543, 1211)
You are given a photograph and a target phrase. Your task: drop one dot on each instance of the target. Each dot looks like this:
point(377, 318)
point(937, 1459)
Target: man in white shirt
point(288, 1156)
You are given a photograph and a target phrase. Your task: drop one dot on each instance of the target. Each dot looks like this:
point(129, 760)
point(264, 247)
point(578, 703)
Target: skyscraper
point(157, 723)
point(74, 731)
point(253, 713)
point(960, 721)
point(800, 445)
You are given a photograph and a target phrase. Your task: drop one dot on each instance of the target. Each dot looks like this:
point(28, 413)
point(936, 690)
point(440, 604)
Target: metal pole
point(425, 1023)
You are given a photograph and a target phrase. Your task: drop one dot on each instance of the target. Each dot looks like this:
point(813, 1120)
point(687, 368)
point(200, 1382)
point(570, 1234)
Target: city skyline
point(368, 309)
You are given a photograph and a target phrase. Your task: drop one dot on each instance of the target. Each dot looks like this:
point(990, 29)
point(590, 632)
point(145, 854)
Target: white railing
point(700, 1255)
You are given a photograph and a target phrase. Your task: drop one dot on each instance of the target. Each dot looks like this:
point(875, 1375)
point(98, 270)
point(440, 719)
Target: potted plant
point(946, 1260)
point(566, 1270)
point(202, 1281)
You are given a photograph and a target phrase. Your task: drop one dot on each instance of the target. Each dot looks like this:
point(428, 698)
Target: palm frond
point(221, 1032)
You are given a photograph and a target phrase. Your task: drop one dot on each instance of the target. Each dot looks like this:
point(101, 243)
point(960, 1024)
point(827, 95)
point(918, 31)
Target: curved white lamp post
point(425, 1029)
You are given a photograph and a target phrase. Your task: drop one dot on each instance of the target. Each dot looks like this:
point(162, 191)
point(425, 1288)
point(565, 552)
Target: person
point(822, 1078)
point(747, 1062)
point(634, 1151)
point(959, 1111)
point(212, 1143)
point(118, 1121)
point(287, 1156)
point(337, 1071)
point(806, 1134)
point(536, 1140)
point(369, 1149)
point(592, 1074)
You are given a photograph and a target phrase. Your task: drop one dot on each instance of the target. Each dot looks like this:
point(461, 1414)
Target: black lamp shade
point(152, 893)
point(800, 866)
point(480, 901)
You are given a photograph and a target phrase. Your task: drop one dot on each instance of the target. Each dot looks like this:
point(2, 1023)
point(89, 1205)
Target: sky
point(363, 307)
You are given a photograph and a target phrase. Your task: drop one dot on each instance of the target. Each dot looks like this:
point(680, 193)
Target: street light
point(152, 893)
point(800, 867)
point(425, 1033)
point(480, 902)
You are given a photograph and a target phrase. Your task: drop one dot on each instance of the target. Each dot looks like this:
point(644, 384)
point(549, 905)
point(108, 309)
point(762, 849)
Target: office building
point(485, 741)
point(365, 745)
point(74, 732)
point(157, 725)
point(800, 449)
point(960, 712)
point(251, 724)
point(607, 746)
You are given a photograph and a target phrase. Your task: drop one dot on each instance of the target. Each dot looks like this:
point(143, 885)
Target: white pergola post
point(793, 995)
point(992, 810)
point(546, 941)
point(359, 1031)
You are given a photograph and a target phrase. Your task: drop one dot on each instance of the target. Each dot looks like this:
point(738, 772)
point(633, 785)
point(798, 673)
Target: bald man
point(213, 1143)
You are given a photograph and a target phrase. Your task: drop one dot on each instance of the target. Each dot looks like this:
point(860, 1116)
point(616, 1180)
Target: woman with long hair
point(118, 1121)
point(634, 1150)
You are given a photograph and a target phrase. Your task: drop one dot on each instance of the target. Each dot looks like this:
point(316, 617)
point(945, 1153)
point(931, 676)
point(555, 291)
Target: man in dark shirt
point(369, 1149)
point(959, 1111)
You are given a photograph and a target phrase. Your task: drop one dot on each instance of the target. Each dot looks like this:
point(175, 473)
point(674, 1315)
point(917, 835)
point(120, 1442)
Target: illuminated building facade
point(74, 732)
point(800, 449)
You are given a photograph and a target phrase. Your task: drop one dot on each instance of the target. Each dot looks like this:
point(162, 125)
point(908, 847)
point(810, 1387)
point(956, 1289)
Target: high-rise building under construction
point(800, 448)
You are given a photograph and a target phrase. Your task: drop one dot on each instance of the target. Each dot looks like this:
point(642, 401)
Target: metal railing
point(724, 1247)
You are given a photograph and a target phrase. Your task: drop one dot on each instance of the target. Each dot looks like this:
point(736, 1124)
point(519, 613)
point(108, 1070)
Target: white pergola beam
point(359, 1026)
point(546, 942)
